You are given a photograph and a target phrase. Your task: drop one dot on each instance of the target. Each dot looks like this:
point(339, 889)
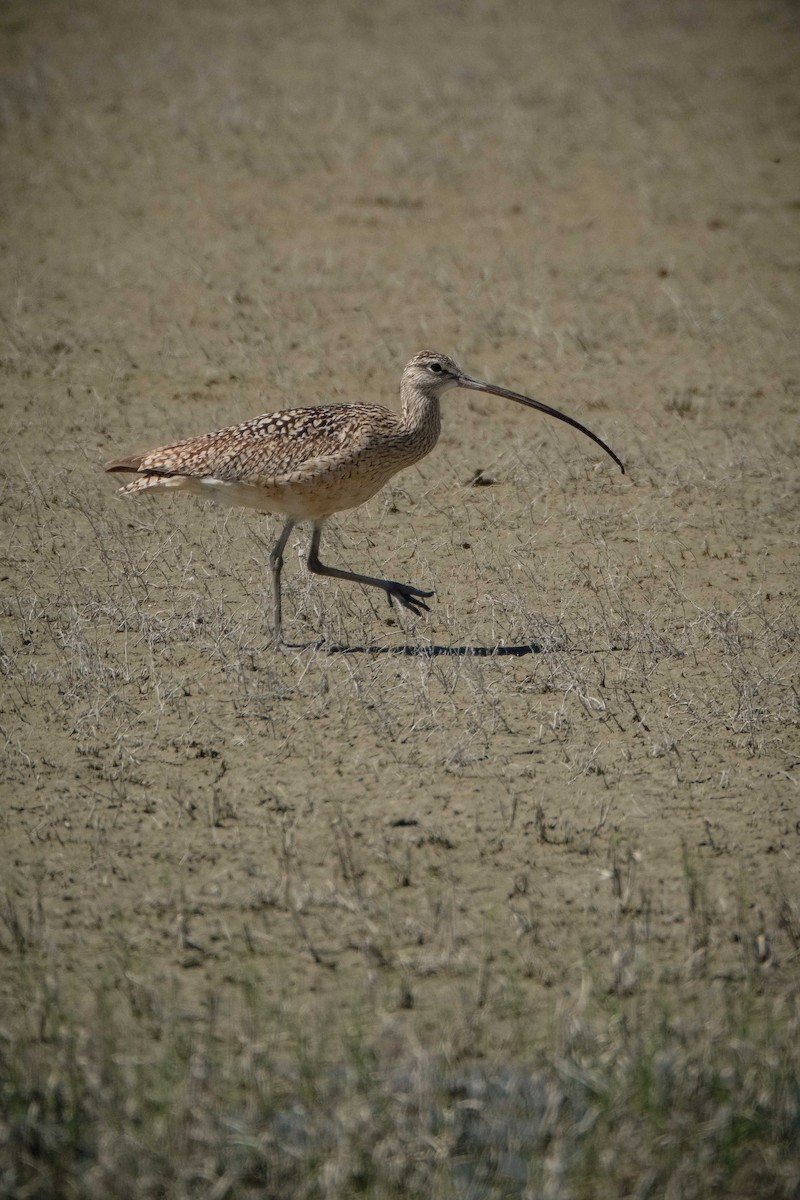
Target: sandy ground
point(584, 762)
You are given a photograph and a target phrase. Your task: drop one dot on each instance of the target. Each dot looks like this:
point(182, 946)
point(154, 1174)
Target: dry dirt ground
point(580, 772)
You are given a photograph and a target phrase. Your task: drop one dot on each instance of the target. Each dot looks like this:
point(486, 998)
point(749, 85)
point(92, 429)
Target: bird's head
point(432, 373)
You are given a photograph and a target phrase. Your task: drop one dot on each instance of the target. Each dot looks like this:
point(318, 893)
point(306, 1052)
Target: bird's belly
point(300, 498)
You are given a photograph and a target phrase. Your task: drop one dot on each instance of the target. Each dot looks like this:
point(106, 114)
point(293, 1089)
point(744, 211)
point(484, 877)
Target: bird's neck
point(421, 419)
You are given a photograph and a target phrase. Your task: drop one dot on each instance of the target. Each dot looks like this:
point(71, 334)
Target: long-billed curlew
point(308, 463)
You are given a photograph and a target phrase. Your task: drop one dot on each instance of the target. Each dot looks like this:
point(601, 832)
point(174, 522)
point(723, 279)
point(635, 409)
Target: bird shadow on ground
point(441, 651)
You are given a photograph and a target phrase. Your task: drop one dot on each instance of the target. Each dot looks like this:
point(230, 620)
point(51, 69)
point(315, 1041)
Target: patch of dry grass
point(631, 1099)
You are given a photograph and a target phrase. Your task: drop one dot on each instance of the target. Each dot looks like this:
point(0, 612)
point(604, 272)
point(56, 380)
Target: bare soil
point(583, 765)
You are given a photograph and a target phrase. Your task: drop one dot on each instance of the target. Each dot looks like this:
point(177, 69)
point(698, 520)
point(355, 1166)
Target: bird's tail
point(144, 481)
point(130, 462)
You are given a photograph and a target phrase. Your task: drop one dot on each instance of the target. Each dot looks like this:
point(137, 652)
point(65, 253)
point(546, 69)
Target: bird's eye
point(436, 367)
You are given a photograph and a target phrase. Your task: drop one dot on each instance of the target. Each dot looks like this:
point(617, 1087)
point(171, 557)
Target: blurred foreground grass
point(141, 1100)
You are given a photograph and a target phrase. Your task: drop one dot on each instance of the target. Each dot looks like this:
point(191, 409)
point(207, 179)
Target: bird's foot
point(406, 596)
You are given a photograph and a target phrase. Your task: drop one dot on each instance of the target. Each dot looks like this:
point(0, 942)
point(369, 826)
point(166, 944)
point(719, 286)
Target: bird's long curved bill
point(477, 385)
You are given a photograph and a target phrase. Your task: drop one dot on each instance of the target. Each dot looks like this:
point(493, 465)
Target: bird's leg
point(403, 593)
point(276, 562)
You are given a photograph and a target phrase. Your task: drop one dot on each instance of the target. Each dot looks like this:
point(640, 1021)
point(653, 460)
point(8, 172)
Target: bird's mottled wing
point(267, 447)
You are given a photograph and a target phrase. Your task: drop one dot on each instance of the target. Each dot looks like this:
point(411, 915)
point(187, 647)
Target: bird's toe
point(409, 597)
